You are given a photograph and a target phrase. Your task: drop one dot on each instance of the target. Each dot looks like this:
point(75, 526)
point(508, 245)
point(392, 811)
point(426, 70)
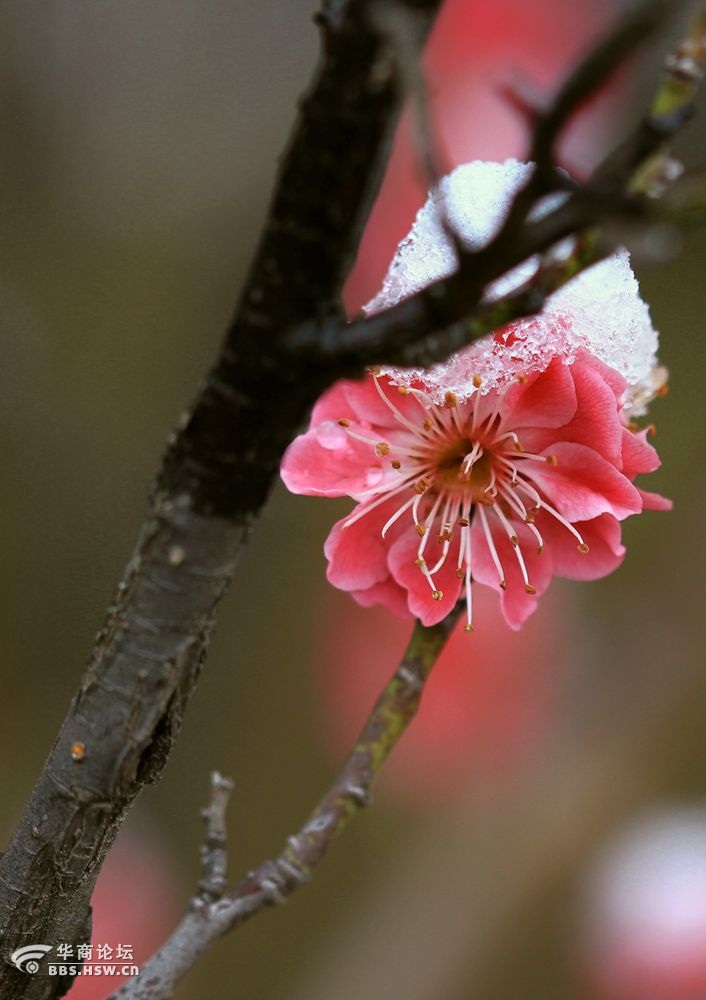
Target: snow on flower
point(512, 462)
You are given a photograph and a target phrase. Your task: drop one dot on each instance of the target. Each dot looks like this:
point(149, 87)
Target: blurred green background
point(139, 146)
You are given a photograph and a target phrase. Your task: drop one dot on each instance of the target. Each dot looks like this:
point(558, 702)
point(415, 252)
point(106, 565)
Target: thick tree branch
point(217, 472)
point(273, 881)
point(222, 460)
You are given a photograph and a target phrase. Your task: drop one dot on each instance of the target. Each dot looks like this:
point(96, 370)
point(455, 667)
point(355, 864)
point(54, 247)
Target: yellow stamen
point(450, 400)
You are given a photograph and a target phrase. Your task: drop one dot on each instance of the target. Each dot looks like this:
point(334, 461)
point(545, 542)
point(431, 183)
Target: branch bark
point(287, 342)
point(214, 856)
point(215, 476)
point(273, 881)
point(452, 312)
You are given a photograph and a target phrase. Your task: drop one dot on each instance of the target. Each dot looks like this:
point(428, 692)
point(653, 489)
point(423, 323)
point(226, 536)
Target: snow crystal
point(599, 310)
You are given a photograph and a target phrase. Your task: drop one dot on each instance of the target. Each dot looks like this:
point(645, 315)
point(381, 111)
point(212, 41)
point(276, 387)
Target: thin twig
point(219, 467)
point(214, 856)
point(636, 26)
point(451, 312)
point(671, 109)
point(224, 457)
point(275, 880)
point(401, 28)
point(548, 126)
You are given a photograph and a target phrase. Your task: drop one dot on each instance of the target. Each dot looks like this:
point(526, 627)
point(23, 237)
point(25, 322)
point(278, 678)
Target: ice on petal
point(600, 310)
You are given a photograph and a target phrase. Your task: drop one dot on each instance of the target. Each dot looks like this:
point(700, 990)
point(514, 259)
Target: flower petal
point(654, 501)
point(359, 401)
point(326, 461)
point(582, 484)
point(595, 423)
point(357, 554)
point(610, 376)
point(637, 455)
point(402, 563)
point(367, 403)
point(547, 399)
point(601, 535)
point(389, 594)
point(516, 604)
point(331, 405)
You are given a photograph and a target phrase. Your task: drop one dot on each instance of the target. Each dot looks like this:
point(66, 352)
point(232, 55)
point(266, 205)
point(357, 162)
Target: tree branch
point(214, 857)
point(216, 474)
point(451, 312)
point(275, 880)
point(287, 342)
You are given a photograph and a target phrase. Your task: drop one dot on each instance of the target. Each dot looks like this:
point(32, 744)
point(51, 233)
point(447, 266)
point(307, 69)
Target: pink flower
point(509, 464)
point(507, 488)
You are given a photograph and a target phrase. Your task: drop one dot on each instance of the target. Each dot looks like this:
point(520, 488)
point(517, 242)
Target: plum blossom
point(512, 462)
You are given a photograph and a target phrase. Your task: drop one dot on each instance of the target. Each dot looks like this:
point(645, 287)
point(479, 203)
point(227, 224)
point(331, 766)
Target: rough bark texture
point(222, 459)
point(217, 472)
point(275, 880)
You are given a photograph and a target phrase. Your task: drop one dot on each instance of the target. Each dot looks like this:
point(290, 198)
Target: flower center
point(465, 469)
point(457, 465)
